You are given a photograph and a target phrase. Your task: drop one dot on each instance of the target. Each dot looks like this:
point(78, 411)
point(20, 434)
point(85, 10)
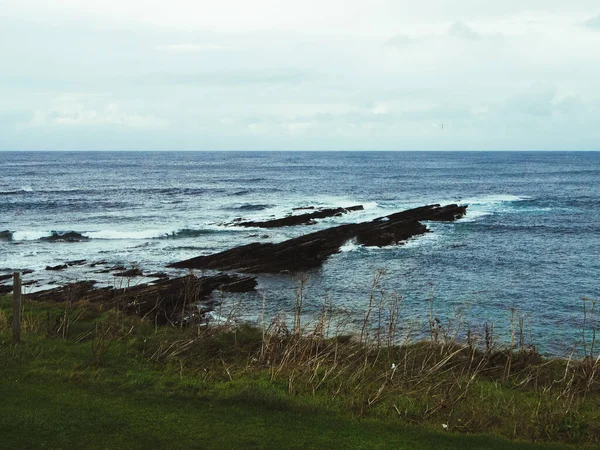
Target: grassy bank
point(86, 377)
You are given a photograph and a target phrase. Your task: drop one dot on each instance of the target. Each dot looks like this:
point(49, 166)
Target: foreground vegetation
point(86, 377)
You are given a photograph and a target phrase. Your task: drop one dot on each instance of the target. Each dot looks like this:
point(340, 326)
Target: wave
point(248, 207)
point(240, 193)
point(349, 246)
point(494, 199)
point(30, 235)
point(104, 190)
point(111, 234)
point(190, 232)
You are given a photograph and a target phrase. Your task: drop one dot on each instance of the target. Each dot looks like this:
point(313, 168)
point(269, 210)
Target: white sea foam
point(120, 234)
point(30, 235)
point(349, 246)
point(424, 240)
point(473, 215)
point(488, 204)
point(494, 199)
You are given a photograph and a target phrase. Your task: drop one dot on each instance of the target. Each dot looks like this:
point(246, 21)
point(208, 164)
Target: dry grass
point(455, 378)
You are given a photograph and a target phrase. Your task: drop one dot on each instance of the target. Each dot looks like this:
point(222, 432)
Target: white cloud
point(298, 127)
point(69, 111)
point(462, 30)
point(236, 74)
point(593, 23)
point(193, 48)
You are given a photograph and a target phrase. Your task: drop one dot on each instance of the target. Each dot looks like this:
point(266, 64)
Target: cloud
point(458, 29)
point(462, 30)
point(230, 77)
point(593, 23)
point(538, 100)
point(399, 41)
point(68, 112)
point(193, 48)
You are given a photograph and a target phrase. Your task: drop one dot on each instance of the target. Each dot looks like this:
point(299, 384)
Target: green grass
point(117, 382)
point(49, 400)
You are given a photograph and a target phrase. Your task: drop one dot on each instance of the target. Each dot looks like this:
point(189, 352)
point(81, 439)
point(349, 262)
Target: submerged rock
point(157, 275)
point(129, 273)
point(59, 267)
point(311, 250)
point(77, 262)
point(70, 236)
point(6, 235)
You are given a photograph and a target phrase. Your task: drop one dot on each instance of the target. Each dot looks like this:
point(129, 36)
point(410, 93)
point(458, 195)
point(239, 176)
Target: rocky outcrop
point(76, 262)
point(299, 219)
point(70, 236)
point(6, 235)
point(5, 289)
point(165, 301)
point(311, 250)
point(135, 272)
point(59, 267)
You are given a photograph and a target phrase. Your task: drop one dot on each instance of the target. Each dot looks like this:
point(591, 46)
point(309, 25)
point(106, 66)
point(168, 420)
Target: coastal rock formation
point(135, 272)
point(77, 262)
point(311, 250)
point(299, 219)
point(166, 301)
point(5, 289)
point(5, 235)
point(70, 236)
point(59, 267)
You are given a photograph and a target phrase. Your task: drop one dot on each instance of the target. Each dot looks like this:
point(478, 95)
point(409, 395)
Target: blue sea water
point(530, 240)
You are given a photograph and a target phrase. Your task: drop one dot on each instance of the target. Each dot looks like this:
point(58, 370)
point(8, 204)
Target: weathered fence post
point(16, 321)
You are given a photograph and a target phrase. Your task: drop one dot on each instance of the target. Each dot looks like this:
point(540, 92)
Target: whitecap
point(349, 246)
point(30, 235)
point(120, 234)
point(495, 199)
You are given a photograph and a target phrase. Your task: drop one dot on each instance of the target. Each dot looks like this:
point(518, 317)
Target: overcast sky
point(299, 75)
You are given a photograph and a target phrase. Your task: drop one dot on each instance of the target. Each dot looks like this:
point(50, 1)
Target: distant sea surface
point(529, 242)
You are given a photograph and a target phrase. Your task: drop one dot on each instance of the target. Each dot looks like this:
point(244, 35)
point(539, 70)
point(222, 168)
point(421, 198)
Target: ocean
point(529, 245)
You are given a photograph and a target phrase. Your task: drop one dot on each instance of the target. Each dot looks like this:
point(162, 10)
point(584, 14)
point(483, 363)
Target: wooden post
point(16, 321)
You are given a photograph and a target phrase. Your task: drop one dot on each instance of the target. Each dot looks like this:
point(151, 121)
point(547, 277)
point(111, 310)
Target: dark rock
point(129, 273)
point(302, 208)
point(311, 250)
point(6, 235)
point(157, 275)
point(98, 263)
point(77, 262)
point(59, 267)
point(5, 289)
point(9, 276)
point(300, 219)
point(166, 301)
point(70, 236)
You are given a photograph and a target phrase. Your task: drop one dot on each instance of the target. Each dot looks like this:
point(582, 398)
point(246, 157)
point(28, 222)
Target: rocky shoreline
point(311, 250)
point(169, 300)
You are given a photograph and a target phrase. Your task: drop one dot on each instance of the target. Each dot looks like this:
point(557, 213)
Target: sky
point(299, 75)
